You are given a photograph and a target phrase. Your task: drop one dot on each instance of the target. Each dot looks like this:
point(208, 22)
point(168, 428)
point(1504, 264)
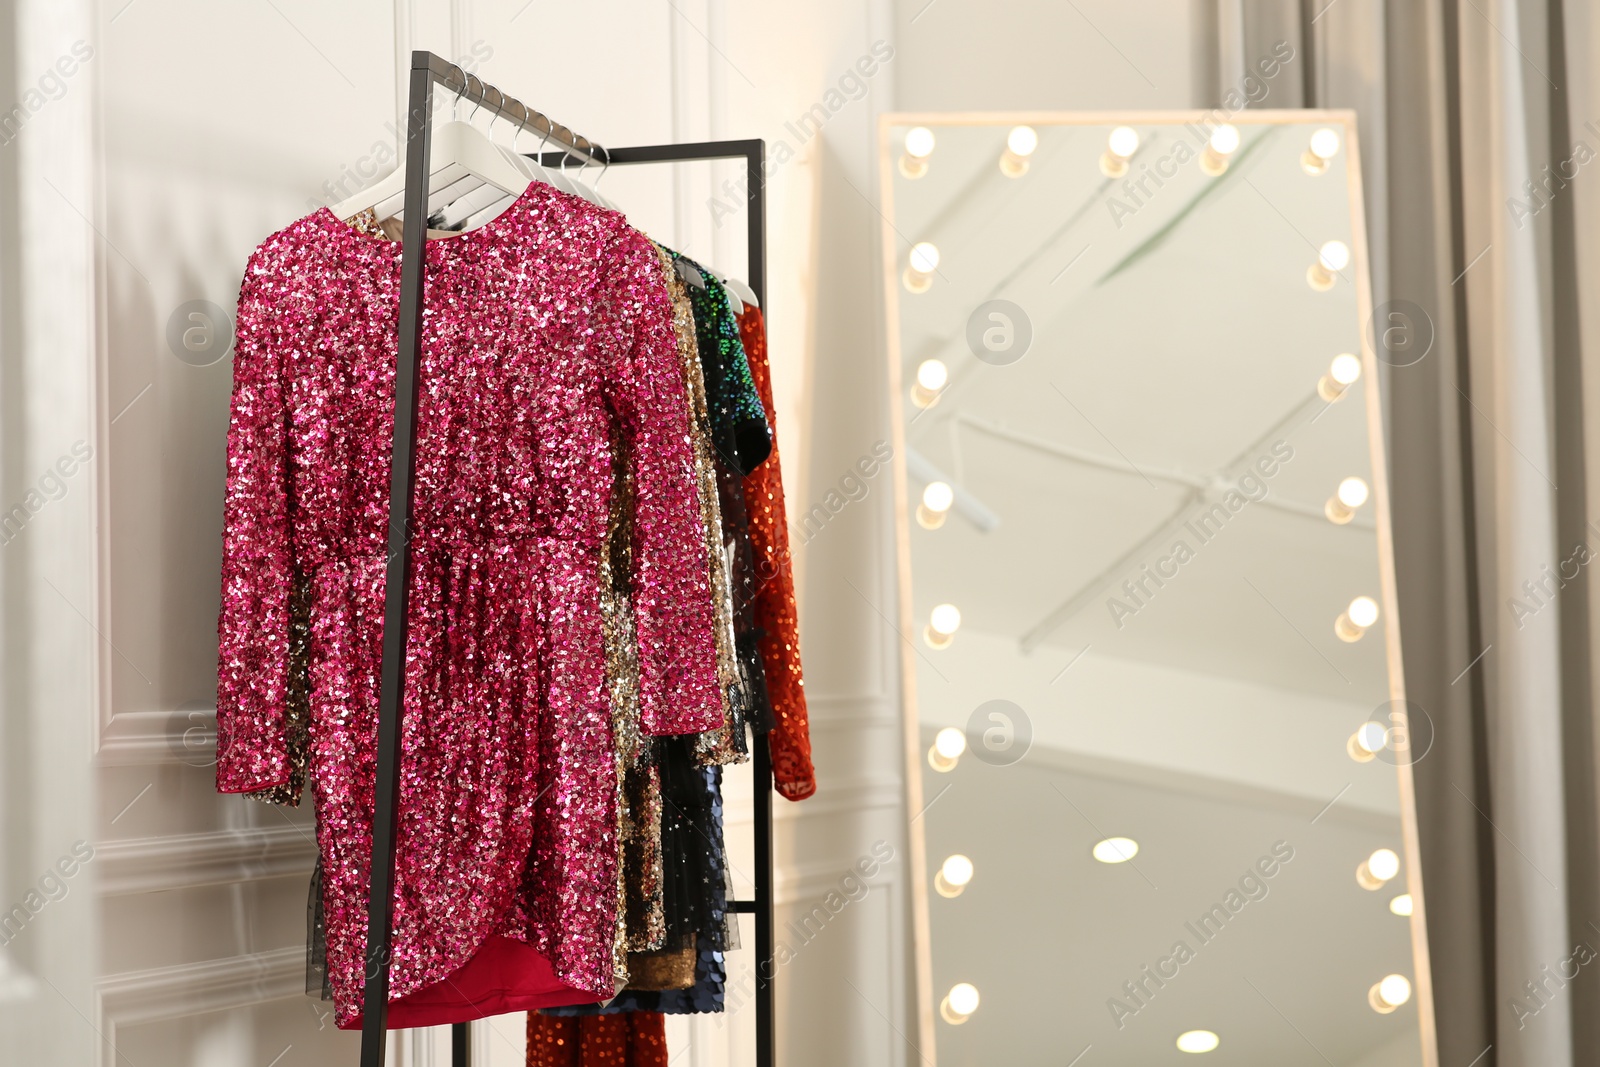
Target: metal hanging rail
point(428, 70)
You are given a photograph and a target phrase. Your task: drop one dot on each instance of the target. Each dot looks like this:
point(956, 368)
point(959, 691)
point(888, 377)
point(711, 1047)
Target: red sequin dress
point(549, 363)
point(633, 1039)
point(790, 739)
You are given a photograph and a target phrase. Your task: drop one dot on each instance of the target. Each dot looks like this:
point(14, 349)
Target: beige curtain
point(1494, 437)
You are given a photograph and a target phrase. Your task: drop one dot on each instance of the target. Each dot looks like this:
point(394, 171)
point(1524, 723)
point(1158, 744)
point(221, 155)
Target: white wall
point(194, 131)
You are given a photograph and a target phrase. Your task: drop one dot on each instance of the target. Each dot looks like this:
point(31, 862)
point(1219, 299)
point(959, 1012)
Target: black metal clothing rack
point(427, 70)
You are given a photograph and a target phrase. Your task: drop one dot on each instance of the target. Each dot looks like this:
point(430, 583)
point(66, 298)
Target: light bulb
point(932, 376)
point(1343, 372)
point(1341, 507)
point(1020, 144)
point(937, 497)
point(1224, 142)
point(1022, 140)
point(1352, 623)
point(1116, 849)
point(1332, 257)
point(1352, 492)
point(943, 622)
point(959, 1004)
point(920, 267)
point(953, 876)
point(1393, 991)
point(1198, 1041)
point(1377, 869)
point(1323, 147)
point(1363, 611)
point(919, 146)
point(1367, 742)
point(1120, 147)
point(1401, 905)
point(1385, 863)
point(948, 745)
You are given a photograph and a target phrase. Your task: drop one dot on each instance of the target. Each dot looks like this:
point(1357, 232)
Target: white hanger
point(605, 201)
point(455, 145)
point(689, 273)
point(485, 202)
point(582, 190)
point(736, 288)
point(558, 178)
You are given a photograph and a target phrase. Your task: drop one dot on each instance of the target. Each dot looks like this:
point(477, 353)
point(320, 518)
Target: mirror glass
point(1144, 612)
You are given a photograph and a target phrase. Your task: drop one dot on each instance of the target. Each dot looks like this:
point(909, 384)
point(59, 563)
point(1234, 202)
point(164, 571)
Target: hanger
point(582, 190)
point(558, 177)
point(456, 144)
point(605, 201)
point(479, 205)
point(736, 288)
point(689, 273)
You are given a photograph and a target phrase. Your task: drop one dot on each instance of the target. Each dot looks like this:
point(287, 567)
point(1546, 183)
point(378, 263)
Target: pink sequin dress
point(550, 368)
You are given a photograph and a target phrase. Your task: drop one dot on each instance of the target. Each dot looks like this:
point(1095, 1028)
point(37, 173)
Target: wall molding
point(143, 738)
point(132, 998)
point(187, 861)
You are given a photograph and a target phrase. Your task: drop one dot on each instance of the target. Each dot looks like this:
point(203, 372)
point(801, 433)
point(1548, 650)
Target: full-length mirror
point(1155, 719)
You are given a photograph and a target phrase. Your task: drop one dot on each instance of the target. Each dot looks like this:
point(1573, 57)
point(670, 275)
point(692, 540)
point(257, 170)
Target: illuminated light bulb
point(948, 745)
point(920, 267)
point(1120, 147)
point(932, 377)
point(1324, 146)
point(1198, 1041)
point(959, 1004)
point(1343, 372)
point(1377, 869)
point(937, 497)
point(1367, 742)
point(1332, 257)
point(919, 146)
point(1341, 506)
point(1401, 905)
point(1020, 144)
point(953, 876)
point(1224, 142)
point(943, 622)
point(1116, 849)
point(1352, 623)
point(1389, 994)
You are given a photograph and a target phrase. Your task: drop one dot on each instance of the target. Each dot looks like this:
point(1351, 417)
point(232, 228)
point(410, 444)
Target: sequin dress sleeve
point(776, 617)
point(678, 686)
point(258, 577)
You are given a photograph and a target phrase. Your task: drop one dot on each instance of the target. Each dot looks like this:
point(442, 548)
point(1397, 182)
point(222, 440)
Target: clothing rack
point(428, 70)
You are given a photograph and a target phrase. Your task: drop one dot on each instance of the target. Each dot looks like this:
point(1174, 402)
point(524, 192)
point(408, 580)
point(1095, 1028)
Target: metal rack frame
point(428, 70)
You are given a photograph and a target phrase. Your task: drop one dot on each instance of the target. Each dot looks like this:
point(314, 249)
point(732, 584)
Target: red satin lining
point(502, 976)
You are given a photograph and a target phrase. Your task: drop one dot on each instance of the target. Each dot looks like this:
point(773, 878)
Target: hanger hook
point(455, 105)
point(522, 124)
point(501, 97)
point(478, 103)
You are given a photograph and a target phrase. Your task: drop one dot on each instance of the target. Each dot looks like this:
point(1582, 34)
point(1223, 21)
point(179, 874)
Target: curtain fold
point(1486, 169)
